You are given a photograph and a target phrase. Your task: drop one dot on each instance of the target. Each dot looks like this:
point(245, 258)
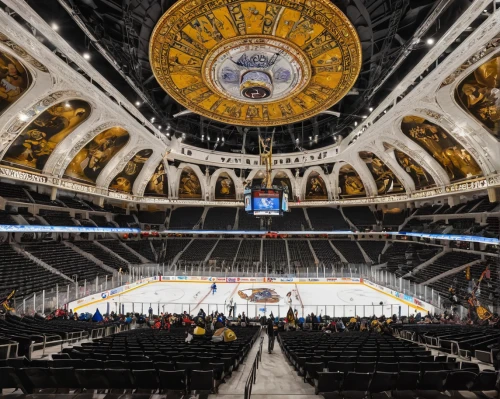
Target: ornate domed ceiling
point(255, 63)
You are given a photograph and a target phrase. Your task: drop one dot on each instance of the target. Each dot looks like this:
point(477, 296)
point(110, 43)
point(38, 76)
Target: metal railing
point(252, 377)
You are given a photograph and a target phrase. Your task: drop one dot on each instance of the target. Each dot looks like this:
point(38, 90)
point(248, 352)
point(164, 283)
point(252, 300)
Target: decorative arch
point(385, 179)
point(190, 182)
point(157, 185)
point(124, 181)
point(225, 185)
point(256, 175)
point(421, 177)
point(350, 184)
point(284, 177)
point(458, 163)
point(91, 160)
point(33, 147)
point(477, 95)
point(16, 79)
point(315, 185)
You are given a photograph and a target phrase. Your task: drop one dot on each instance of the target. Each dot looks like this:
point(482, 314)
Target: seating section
point(66, 260)
point(43, 199)
point(14, 192)
point(361, 216)
point(29, 333)
point(142, 247)
point(121, 250)
point(100, 220)
point(140, 360)
point(274, 253)
point(371, 363)
point(403, 257)
point(17, 271)
point(470, 340)
point(325, 219)
point(75, 203)
point(168, 250)
point(446, 262)
point(249, 251)
point(247, 222)
point(6, 218)
point(197, 250)
point(185, 218)
point(57, 218)
point(294, 220)
point(103, 255)
point(488, 294)
point(126, 221)
point(300, 253)
point(427, 210)
point(393, 220)
point(373, 249)
point(220, 219)
point(157, 218)
point(225, 251)
point(325, 253)
point(350, 250)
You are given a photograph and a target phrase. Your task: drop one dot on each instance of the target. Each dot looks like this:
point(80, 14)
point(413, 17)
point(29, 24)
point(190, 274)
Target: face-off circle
point(255, 63)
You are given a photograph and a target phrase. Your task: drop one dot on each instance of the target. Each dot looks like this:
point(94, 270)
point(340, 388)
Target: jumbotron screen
point(266, 202)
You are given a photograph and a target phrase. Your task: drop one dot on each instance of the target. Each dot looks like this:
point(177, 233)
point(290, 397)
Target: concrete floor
point(276, 378)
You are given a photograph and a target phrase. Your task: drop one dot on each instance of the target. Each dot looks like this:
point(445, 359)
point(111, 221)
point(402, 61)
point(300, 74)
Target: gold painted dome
point(255, 63)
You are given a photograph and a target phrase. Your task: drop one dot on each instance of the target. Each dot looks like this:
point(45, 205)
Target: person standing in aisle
point(270, 335)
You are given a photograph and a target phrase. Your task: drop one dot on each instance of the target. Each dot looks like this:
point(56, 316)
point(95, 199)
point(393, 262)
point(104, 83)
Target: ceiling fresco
point(189, 184)
point(444, 148)
point(419, 175)
point(385, 179)
point(125, 180)
point(93, 158)
point(350, 184)
point(33, 147)
point(224, 187)
point(255, 63)
point(14, 80)
point(316, 189)
point(158, 183)
point(479, 95)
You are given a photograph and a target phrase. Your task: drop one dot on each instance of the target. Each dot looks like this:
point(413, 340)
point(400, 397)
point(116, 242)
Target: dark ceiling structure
point(394, 35)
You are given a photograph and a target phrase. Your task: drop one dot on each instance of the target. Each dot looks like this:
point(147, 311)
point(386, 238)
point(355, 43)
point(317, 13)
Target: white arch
point(238, 185)
point(201, 177)
point(147, 172)
point(321, 173)
point(290, 175)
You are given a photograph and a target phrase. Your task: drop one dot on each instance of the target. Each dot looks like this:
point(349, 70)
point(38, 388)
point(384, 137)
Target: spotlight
point(356, 123)
point(364, 116)
point(67, 105)
point(55, 26)
point(23, 117)
point(430, 41)
point(86, 56)
point(137, 103)
point(159, 127)
point(370, 109)
point(153, 119)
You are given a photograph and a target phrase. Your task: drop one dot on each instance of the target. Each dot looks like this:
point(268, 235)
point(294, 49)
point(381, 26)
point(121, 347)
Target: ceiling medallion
point(255, 63)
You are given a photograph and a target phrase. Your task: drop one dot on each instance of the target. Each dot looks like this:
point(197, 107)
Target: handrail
point(252, 377)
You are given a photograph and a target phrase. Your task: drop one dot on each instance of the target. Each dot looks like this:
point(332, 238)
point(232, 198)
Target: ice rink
point(336, 300)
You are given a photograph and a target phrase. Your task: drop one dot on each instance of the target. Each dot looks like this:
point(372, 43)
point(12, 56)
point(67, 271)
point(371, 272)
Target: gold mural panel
point(283, 181)
point(316, 188)
point(189, 185)
point(93, 158)
point(445, 149)
point(158, 184)
point(350, 184)
point(33, 147)
point(385, 179)
point(124, 181)
point(14, 80)
point(419, 175)
point(224, 187)
point(479, 95)
point(247, 62)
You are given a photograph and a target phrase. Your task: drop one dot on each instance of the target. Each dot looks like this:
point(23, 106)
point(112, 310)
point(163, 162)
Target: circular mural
point(255, 63)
